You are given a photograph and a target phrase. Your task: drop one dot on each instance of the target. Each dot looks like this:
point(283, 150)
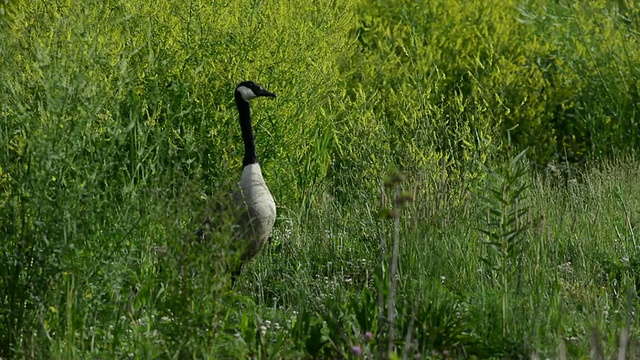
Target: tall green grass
point(572, 271)
point(117, 128)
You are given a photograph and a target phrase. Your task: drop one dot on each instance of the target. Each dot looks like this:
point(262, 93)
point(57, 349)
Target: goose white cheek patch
point(247, 94)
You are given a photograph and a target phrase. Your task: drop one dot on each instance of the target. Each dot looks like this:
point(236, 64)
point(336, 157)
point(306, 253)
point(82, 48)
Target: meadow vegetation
point(454, 179)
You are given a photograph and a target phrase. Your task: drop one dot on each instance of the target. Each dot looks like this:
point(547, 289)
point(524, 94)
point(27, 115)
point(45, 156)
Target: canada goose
point(252, 207)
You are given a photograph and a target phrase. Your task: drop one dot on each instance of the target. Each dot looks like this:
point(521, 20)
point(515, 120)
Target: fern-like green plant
point(503, 223)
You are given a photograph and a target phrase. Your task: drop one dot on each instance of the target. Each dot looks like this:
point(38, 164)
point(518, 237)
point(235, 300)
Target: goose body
point(260, 210)
point(252, 208)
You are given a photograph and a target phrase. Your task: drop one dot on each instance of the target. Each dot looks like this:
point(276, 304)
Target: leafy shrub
point(561, 78)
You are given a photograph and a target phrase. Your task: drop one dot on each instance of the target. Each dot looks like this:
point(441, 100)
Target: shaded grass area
point(313, 289)
point(577, 270)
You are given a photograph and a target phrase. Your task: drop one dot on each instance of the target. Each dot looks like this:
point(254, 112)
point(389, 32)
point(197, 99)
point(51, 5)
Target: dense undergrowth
point(117, 124)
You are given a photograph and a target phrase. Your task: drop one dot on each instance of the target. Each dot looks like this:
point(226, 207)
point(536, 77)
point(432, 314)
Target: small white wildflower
point(263, 329)
point(267, 323)
point(442, 279)
point(565, 267)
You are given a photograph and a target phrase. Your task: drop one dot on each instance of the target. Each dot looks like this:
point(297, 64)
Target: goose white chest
point(260, 205)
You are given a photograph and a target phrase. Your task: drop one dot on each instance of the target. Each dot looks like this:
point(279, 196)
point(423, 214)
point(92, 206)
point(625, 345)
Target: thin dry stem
point(393, 269)
point(382, 256)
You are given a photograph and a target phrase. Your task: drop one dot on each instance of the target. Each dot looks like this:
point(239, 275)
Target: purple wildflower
point(368, 336)
point(356, 350)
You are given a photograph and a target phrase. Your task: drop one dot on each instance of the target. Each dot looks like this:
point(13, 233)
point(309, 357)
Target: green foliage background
point(117, 123)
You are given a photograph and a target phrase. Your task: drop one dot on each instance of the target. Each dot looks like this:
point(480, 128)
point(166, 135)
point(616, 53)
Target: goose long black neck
point(250, 156)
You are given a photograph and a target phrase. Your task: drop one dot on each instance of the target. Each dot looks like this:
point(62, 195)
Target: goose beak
point(264, 92)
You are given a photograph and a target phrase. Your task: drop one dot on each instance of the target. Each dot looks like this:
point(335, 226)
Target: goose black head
point(249, 90)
